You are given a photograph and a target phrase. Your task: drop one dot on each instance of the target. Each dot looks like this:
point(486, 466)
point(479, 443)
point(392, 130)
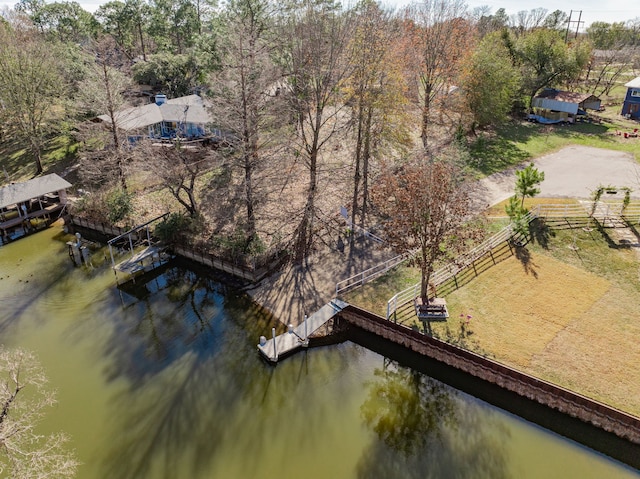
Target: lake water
point(164, 381)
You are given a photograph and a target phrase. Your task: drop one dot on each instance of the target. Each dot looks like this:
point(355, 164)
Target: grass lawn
point(17, 161)
point(569, 317)
point(519, 141)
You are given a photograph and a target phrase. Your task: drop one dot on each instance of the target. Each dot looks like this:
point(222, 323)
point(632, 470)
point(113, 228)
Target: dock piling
point(306, 336)
point(275, 347)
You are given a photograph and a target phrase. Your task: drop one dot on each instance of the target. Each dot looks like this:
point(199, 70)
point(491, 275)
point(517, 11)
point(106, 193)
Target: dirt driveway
point(573, 172)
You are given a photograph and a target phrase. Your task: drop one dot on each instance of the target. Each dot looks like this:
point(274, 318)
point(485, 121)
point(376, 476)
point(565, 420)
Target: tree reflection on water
point(181, 349)
point(425, 430)
point(173, 314)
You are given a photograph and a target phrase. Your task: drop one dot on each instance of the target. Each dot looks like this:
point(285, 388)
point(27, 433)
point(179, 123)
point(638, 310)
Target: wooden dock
point(298, 337)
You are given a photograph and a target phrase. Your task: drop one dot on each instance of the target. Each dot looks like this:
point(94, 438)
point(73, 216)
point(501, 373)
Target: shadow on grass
point(540, 232)
point(495, 155)
point(19, 163)
point(611, 243)
point(524, 256)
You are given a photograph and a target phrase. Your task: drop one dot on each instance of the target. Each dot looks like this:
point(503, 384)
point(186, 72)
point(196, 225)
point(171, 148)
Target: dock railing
point(370, 274)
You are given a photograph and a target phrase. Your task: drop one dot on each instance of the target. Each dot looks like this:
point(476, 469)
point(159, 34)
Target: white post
point(305, 327)
point(275, 348)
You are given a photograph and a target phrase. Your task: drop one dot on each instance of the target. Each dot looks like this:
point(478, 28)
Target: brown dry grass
point(597, 354)
point(517, 311)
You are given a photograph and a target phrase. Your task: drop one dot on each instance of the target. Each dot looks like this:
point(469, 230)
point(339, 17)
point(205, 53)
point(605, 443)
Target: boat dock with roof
point(31, 205)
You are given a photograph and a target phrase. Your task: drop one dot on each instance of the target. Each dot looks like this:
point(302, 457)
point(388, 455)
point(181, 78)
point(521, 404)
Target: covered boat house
point(31, 205)
point(557, 106)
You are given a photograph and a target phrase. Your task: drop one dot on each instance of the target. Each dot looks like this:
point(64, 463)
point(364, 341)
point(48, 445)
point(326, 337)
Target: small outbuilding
point(631, 105)
point(556, 106)
point(30, 205)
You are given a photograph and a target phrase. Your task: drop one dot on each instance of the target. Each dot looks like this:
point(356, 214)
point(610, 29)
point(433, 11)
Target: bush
point(119, 205)
point(105, 206)
point(174, 228)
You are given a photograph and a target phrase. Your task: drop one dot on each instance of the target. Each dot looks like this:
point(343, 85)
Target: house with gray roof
point(185, 117)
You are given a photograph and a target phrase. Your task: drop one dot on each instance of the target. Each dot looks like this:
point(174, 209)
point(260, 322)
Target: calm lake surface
point(164, 381)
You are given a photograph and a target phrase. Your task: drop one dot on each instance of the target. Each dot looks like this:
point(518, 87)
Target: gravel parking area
point(573, 172)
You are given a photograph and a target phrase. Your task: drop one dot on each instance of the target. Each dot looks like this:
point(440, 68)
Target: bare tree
point(102, 92)
point(607, 66)
point(178, 168)
point(425, 204)
point(526, 20)
point(317, 36)
point(243, 92)
point(437, 38)
point(24, 397)
point(376, 93)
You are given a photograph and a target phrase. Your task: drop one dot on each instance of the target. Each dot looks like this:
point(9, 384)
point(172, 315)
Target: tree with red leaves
point(425, 205)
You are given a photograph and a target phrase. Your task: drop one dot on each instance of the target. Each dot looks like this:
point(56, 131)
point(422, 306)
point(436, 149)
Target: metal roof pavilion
point(18, 192)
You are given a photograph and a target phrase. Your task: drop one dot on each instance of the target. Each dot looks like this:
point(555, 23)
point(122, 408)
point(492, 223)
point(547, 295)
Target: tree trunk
point(356, 172)
point(249, 133)
point(424, 284)
point(305, 229)
point(366, 156)
point(37, 154)
point(426, 106)
point(142, 46)
point(248, 185)
point(114, 127)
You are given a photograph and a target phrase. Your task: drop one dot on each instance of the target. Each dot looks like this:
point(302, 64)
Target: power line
point(578, 22)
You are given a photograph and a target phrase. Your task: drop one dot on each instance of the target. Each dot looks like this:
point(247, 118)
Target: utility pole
point(578, 22)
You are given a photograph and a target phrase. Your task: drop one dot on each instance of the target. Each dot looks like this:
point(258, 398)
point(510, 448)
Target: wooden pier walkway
point(298, 337)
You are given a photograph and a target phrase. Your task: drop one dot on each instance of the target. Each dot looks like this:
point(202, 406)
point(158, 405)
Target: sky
point(592, 10)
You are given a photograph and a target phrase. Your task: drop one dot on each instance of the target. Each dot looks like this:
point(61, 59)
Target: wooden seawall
point(567, 402)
